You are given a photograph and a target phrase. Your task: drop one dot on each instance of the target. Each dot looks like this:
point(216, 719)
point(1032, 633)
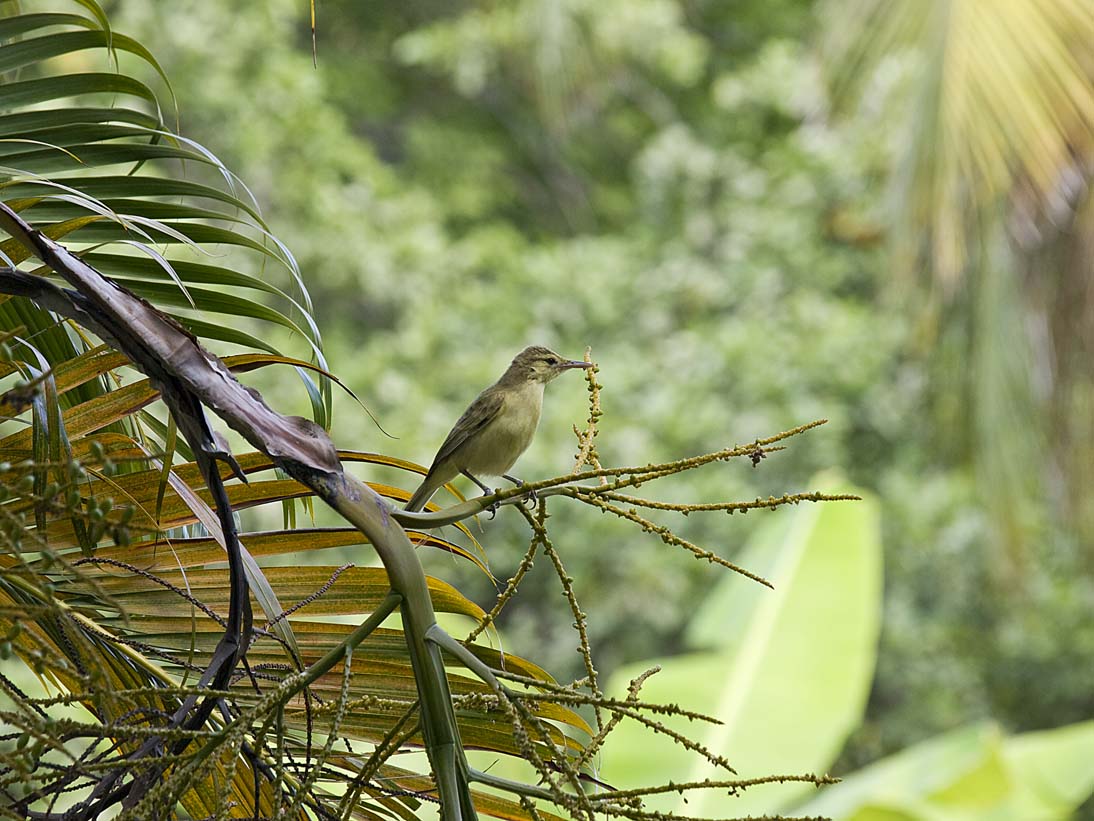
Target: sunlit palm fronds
point(1002, 107)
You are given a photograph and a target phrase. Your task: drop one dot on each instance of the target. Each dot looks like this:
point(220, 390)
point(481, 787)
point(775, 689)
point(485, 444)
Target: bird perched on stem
point(498, 426)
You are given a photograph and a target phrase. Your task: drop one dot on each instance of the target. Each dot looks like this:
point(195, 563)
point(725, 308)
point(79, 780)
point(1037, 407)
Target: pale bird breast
point(508, 435)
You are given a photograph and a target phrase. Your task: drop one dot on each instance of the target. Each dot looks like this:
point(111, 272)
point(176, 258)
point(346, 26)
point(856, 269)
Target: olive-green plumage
point(498, 426)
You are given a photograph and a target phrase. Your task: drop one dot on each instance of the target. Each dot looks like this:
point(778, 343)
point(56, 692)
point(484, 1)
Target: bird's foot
point(531, 496)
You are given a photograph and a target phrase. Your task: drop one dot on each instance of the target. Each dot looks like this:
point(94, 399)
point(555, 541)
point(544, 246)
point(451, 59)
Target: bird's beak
point(573, 363)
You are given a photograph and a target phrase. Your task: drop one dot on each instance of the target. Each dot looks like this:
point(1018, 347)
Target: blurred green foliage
point(787, 672)
point(662, 181)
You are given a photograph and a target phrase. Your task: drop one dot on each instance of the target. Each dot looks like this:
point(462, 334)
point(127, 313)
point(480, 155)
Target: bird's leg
point(532, 497)
point(485, 490)
point(472, 477)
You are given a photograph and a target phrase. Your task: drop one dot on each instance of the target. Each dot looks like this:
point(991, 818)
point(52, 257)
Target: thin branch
point(770, 503)
point(733, 786)
point(625, 477)
point(668, 537)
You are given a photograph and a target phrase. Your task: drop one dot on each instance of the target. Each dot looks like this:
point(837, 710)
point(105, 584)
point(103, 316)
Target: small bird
point(498, 426)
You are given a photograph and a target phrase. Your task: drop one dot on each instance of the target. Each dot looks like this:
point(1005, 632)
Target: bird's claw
point(529, 496)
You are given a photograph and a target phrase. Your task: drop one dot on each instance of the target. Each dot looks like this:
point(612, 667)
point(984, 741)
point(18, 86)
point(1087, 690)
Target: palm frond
point(1003, 105)
point(89, 155)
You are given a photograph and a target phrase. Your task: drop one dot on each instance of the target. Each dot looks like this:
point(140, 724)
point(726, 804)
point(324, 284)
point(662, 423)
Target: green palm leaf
point(1002, 109)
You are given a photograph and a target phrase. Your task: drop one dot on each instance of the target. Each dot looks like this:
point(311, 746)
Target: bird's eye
point(550, 360)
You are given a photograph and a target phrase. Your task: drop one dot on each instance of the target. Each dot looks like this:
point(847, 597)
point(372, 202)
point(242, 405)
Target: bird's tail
point(424, 492)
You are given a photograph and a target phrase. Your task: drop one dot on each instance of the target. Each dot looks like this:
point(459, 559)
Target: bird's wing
point(478, 415)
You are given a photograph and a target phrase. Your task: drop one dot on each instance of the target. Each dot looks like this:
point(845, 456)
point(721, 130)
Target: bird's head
point(538, 364)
